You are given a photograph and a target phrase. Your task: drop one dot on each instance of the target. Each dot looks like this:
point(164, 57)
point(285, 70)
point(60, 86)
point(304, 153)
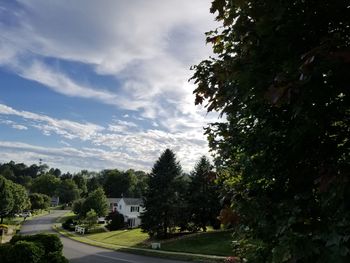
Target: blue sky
point(101, 84)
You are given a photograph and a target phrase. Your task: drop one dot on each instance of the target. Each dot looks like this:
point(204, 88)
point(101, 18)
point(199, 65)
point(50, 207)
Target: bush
point(69, 224)
point(55, 257)
point(50, 242)
point(25, 251)
point(4, 252)
point(116, 221)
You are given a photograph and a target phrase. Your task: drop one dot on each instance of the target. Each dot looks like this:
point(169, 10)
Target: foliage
point(69, 224)
point(97, 201)
point(281, 79)
point(128, 183)
point(49, 242)
point(45, 184)
point(6, 197)
point(4, 252)
point(68, 191)
point(55, 257)
point(203, 196)
point(162, 196)
point(39, 201)
point(13, 198)
point(78, 206)
point(81, 182)
point(43, 248)
point(115, 221)
point(20, 197)
point(90, 219)
point(25, 251)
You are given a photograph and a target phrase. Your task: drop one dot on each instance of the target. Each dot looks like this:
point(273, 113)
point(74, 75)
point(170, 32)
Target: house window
point(134, 209)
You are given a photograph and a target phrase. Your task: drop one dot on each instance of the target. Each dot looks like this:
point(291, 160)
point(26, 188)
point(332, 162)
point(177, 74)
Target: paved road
point(78, 252)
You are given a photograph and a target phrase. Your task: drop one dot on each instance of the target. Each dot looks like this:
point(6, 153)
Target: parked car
point(101, 220)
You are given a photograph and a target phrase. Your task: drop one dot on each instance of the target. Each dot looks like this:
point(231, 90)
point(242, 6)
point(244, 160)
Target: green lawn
point(211, 243)
point(133, 237)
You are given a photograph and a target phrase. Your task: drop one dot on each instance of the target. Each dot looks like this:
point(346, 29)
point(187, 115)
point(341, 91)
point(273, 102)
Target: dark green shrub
point(116, 221)
point(25, 251)
point(54, 257)
point(49, 242)
point(4, 253)
point(69, 224)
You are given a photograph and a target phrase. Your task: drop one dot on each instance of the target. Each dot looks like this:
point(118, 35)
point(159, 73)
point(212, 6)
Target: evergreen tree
point(203, 196)
point(162, 196)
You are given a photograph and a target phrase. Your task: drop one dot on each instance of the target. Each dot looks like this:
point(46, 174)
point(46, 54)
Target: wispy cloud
point(65, 128)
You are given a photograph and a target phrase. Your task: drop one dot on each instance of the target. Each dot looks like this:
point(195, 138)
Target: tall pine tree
point(203, 197)
point(161, 199)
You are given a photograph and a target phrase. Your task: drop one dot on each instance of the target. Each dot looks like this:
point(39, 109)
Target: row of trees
point(68, 187)
point(174, 200)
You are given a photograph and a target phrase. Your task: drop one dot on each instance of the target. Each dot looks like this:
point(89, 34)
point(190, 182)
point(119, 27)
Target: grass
point(212, 243)
point(133, 237)
point(66, 216)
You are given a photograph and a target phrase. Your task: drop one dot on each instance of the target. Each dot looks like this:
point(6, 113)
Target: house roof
point(113, 200)
point(133, 201)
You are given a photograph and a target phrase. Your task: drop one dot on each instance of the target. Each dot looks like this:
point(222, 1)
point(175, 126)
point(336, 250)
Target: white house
point(130, 208)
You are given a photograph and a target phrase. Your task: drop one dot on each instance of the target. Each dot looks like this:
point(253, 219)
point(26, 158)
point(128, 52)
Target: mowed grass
point(132, 237)
point(211, 243)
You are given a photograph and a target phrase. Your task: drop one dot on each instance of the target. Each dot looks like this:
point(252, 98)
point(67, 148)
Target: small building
point(55, 201)
point(130, 208)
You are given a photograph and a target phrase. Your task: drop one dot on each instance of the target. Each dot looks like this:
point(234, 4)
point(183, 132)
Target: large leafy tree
point(39, 201)
point(116, 183)
point(6, 198)
point(68, 191)
point(97, 201)
point(20, 197)
point(203, 196)
point(162, 196)
point(281, 78)
point(45, 184)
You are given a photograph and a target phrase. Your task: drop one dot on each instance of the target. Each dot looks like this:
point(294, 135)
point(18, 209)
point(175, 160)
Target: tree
point(81, 182)
point(78, 206)
point(115, 221)
point(90, 219)
point(6, 198)
point(20, 197)
point(68, 191)
point(39, 201)
point(160, 215)
point(45, 184)
point(97, 201)
point(203, 196)
point(116, 183)
point(281, 79)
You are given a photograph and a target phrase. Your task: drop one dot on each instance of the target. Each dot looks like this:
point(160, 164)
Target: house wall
point(125, 210)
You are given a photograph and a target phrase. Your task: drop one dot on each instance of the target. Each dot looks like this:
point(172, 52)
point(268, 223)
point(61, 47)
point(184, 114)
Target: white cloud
point(65, 128)
point(19, 127)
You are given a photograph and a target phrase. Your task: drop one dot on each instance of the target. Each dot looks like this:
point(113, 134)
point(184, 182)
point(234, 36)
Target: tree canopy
point(280, 78)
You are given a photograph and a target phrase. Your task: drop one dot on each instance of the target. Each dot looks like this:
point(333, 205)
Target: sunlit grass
point(132, 237)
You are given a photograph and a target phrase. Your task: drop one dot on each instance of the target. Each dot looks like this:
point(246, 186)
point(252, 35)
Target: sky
point(101, 84)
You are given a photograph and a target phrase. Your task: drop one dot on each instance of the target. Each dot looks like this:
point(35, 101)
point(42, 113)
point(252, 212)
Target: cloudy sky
point(95, 84)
